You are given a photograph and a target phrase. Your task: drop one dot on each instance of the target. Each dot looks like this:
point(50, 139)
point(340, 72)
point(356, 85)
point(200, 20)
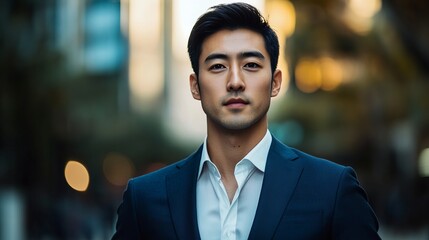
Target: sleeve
point(353, 216)
point(127, 225)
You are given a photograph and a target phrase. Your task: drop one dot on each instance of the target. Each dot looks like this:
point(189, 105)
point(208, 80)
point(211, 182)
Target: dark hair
point(231, 16)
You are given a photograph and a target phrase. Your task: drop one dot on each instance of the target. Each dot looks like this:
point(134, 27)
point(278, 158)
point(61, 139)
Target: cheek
point(208, 95)
point(260, 81)
point(263, 89)
point(212, 88)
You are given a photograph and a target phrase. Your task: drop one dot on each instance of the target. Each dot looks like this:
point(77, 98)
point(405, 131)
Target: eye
point(252, 65)
point(216, 67)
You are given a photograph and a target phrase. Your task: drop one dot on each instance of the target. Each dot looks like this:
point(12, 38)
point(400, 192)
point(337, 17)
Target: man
point(242, 183)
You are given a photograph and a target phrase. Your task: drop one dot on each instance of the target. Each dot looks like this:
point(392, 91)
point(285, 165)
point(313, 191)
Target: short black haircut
point(231, 17)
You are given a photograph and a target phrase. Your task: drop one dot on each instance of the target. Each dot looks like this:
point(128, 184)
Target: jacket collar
point(181, 193)
point(282, 173)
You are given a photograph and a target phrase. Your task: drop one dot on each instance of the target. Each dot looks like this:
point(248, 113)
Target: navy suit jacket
point(302, 197)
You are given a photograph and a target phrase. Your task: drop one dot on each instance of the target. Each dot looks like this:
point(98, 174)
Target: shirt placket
point(229, 211)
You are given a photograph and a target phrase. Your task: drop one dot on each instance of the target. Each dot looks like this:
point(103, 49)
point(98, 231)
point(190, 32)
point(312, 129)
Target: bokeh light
point(118, 169)
point(424, 163)
point(281, 15)
point(313, 74)
point(332, 73)
point(308, 75)
point(358, 14)
point(282, 18)
point(76, 175)
point(364, 8)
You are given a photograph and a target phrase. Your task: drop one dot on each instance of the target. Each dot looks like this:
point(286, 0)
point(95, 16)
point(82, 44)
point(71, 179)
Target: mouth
point(236, 103)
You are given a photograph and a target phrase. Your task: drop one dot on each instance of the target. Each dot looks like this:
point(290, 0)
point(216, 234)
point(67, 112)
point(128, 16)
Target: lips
point(236, 102)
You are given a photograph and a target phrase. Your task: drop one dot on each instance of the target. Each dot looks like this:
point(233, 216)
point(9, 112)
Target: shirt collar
point(257, 156)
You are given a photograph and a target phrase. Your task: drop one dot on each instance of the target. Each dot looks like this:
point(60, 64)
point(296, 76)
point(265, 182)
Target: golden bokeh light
point(323, 73)
point(118, 169)
point(308, 75)
point(76, 175)
point(282, 16)
point(358, 14)
point(332, 73)
point(364, 8)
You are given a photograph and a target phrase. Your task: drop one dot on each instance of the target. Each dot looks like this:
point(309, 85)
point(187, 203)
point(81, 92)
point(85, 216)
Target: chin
point(239, 125)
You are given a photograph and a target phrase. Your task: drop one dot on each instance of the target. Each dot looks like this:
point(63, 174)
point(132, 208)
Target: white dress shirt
point(218, 218)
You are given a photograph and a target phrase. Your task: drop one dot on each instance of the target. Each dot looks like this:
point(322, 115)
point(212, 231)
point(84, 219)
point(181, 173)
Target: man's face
point(235, 83)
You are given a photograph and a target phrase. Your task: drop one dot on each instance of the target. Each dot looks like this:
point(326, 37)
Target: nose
point(235, 81)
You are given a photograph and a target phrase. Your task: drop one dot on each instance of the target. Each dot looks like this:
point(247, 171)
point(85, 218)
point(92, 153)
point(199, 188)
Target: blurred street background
point(94, 92)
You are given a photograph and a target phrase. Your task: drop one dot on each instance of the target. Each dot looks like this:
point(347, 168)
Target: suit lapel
point(282, 173)
point(181, 191)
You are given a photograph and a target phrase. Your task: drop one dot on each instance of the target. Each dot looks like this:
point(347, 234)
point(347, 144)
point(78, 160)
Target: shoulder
point(157, 177)
point(315, 162)
point(313, 167)
point(307, 160)
point(338, 193)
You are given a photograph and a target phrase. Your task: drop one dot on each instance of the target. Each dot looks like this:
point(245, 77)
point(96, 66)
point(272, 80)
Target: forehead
point(231, 42)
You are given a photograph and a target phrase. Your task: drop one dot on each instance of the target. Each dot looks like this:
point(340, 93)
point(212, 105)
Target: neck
point(227, 147)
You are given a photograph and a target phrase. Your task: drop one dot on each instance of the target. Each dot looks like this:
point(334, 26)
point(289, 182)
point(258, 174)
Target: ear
point(276, 83)
point(193, 83)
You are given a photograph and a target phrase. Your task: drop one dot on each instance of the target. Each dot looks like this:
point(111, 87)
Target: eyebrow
point(252, 54)
point(241, 55)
